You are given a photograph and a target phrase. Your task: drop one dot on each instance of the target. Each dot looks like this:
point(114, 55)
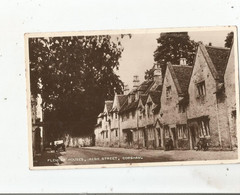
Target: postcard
point(128, 98)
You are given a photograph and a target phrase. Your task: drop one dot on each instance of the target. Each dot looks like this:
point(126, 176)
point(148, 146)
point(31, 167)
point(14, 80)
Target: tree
point(171, 47)
point(229, 40)
point(74, 76)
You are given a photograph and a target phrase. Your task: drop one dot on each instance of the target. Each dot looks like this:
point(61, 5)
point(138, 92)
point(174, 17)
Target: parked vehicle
point(58, 145)
point(202, 144)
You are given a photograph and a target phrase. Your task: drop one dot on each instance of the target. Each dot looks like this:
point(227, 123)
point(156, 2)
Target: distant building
point(37, 125)
point(103, 129)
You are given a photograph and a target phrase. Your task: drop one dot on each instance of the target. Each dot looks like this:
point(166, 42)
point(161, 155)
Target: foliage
point(171, 47)
point(74, 75)
point(229, 40)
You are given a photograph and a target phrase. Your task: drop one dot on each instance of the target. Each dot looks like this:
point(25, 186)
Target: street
point(104, 155)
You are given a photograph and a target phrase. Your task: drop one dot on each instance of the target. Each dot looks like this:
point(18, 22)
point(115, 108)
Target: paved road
point(99, 155)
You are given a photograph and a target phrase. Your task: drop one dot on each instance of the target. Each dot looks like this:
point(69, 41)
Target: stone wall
point(208, 105)
point(230, 90)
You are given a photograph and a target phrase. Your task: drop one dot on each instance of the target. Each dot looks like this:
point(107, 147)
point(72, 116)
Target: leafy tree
point(171, 47)
point(74, 76)
point(229, 40)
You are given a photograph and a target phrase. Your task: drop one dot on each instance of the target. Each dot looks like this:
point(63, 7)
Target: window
point(116, 116)
point(135, 135)
point(204, 127)
point(133, 114)
point(106, 134)
point(149, 109)
point(140, 114)
point(167, 132)
point(182, 132)
point(106, 118)
point(201, 89)
point(181, 108)
point(116, 132)
point(168, 92)
point(141, 133)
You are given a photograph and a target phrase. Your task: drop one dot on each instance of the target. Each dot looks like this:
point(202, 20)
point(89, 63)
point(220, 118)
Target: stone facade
point(230, 90)
point(188, 104)
point(174, 102)
point(207, 115)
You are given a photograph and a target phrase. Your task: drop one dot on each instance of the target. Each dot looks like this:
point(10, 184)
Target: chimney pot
point(183, 61)
point(135, 82)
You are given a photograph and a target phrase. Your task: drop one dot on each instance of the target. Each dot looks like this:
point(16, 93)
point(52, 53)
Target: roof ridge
point(174, 77)
point(216, 47)
point(187, 66)
point(209, 61)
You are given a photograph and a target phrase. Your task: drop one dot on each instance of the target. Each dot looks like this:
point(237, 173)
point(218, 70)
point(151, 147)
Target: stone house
point(103, 129)
point(115, 133)
point(230, 91)
point(207, 112)
point(152, 134)
point(128, 119)
point(139, 112)
point(174, 102)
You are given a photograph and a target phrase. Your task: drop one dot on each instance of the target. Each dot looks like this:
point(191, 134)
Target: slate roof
point(109, 105)
point(183, 75)
point(121, 99)
point(216, 58)
point(155, 95)
point(219, 57)
point(145, 86)
point(143, 99)
point(128, 107)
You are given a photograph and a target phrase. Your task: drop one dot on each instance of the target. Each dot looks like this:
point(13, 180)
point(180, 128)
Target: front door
point(193, 136)
point(159, 137)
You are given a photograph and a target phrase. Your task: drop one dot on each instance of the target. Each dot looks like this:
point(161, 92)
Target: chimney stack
point(157, 74)
point(135, 82)
point(183, 61)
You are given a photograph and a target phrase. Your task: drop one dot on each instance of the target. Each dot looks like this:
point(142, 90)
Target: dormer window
point(168, 92)
point(181, 108)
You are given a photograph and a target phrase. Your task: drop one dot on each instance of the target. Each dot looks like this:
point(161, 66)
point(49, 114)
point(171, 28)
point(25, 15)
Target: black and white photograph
point(149, 97)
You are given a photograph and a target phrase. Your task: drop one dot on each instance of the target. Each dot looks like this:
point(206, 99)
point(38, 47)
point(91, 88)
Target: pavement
point(106, 155)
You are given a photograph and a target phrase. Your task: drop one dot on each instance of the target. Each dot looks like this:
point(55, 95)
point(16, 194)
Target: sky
point(137, 56)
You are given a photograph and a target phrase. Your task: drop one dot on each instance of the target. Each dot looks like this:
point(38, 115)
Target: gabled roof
point(121, 99)
point(128, 107)
point(181, 75)
point(155, 96)
point(145, 86)
point(216, 58)
point(109, 105)
point(219, 57)
point(143, 98)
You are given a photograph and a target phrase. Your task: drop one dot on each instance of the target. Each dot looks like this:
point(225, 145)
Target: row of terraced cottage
point(190, 102)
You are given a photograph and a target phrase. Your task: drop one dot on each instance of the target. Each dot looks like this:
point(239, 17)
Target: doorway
point(174, 137)
point(193, 137)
